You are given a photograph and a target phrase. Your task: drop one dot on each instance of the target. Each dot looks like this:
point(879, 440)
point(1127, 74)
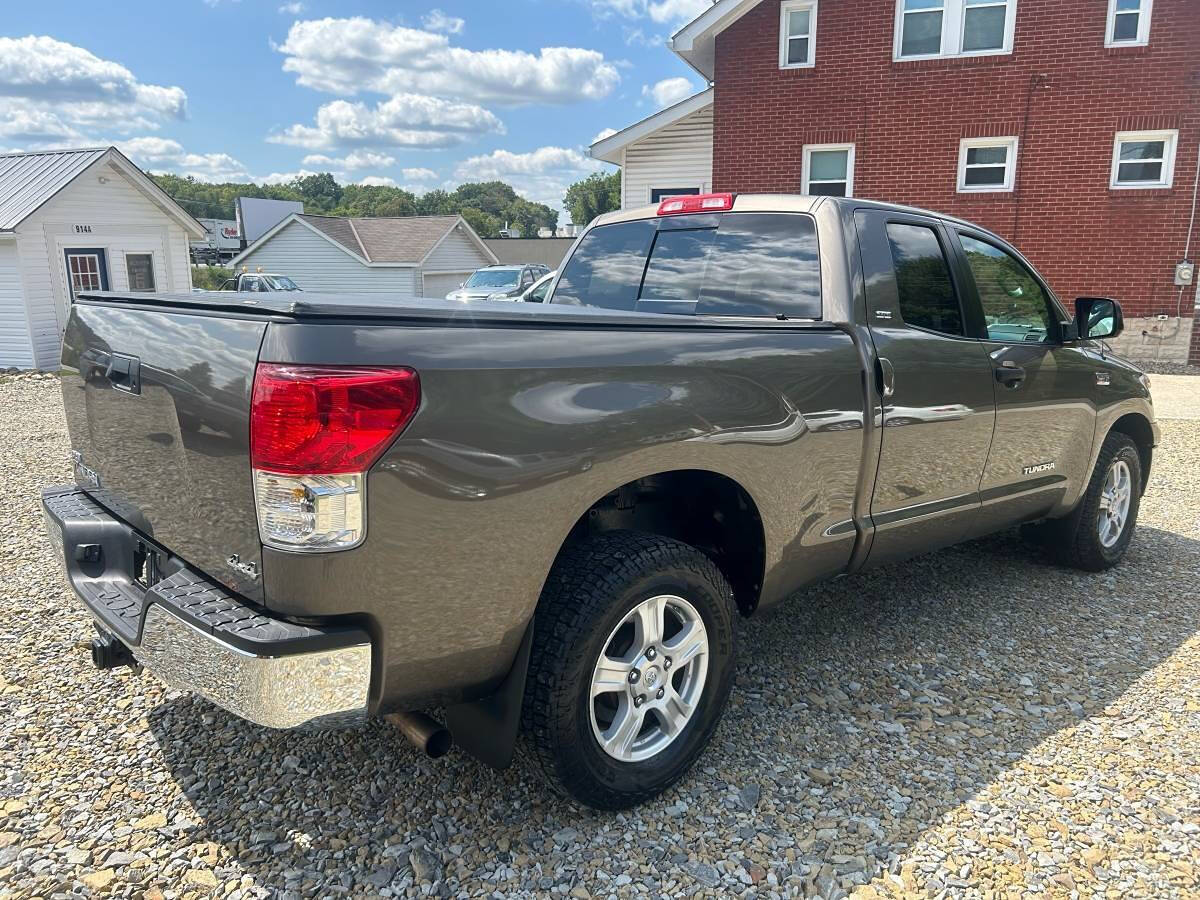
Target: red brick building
point(1070, 127)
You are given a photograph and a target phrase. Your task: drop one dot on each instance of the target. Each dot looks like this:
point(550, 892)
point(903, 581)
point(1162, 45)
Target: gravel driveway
point(972, 721)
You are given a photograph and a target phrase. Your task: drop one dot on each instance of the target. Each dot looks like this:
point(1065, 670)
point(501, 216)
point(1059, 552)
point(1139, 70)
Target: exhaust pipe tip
point(426, 733)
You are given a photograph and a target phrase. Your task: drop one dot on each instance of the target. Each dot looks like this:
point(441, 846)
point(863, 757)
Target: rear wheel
point(1097, 534)
point(632, 665)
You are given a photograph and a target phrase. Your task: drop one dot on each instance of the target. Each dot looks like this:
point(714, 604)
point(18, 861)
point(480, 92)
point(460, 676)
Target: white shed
point(73, 220)
point(663, 155)
point(410, 256)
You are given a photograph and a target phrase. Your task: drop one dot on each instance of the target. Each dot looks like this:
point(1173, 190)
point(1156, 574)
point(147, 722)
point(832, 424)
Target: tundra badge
point(1040, 467)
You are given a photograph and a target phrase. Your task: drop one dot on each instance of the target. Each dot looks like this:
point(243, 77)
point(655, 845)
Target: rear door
point(157, 405)
point(939, 407)
point(1045, 417)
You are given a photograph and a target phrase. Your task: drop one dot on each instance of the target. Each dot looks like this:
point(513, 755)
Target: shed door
point(87, 270)
point(441, 285)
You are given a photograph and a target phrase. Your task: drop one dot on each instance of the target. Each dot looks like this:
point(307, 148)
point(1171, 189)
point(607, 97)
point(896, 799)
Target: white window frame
point(791, 6)
point(1170, 139)
point(1010, 165)
point(954, 15)
point(809, 149)
point(1143, 32)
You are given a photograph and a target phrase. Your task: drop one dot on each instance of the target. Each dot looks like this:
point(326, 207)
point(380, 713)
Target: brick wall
point(1060, 91)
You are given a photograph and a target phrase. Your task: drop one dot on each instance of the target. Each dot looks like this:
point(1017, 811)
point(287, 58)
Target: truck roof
point(795, 203)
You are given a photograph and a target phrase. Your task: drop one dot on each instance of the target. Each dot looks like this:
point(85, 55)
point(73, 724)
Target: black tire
point(591, 588)
point(1075, 540)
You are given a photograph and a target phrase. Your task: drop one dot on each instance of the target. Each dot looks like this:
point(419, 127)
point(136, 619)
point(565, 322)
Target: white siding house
point(665, 154)
point(413, 256)
point(74, 220)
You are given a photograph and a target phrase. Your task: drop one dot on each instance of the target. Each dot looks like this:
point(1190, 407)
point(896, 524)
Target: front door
point(1045, 416)
point(938, 409)
point(87, 270)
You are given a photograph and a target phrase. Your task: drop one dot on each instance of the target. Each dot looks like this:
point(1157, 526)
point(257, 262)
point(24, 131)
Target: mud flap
point(487, 728)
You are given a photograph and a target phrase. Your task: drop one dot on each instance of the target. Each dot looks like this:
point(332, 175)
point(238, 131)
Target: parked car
point(498, 282)
point(536, 292)
point(548, 518)
point(259, 282)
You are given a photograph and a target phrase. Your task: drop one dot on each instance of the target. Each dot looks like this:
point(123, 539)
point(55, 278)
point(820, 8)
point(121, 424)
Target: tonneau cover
point(311, 305)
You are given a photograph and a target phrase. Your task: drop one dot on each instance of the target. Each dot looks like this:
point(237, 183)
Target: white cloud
point(603, 133)
point(676, 11)
point(672, 12)
point(165, 155)
point(284, 177)
point(669, 91)
point(358, 159)
point(542, 175)
point(419, 174)
point(346, 56)
point(54, 91)
point(405, 120)
point(636, 37)
point(291, 9)
point(377, 181)
point(437, 20)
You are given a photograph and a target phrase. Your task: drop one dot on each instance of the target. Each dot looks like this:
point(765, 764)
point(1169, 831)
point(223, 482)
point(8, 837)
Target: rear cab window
point(721, 264)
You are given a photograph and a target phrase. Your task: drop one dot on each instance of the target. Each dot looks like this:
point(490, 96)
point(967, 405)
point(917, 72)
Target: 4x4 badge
point(249, 569)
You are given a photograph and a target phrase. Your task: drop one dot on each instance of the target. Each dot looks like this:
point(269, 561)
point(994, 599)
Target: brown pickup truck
point(312, 509)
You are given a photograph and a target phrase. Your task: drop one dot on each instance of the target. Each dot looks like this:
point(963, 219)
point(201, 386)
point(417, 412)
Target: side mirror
point(1098, 317)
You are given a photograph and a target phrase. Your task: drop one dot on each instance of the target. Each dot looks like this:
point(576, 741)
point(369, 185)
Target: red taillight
point(695, 203)
point(327, 419)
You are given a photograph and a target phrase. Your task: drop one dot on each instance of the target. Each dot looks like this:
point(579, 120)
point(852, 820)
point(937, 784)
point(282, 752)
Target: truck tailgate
point(158, 405)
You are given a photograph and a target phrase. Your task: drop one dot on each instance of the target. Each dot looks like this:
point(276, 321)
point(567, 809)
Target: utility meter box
point(1185, 274)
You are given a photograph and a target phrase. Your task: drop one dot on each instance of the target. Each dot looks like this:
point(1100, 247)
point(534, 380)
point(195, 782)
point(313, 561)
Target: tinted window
point(1015, 307)
point(926, 293)
point(736, 264)
point(606, 268)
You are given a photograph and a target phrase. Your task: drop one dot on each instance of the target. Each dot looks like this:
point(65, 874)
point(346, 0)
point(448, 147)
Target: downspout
point(1187, 244)
point(1035, 81)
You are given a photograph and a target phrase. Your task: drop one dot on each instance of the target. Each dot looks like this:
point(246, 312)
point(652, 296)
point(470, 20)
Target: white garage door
point(441, 285)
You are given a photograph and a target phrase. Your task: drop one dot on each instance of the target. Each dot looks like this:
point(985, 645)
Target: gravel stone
point(976, 722)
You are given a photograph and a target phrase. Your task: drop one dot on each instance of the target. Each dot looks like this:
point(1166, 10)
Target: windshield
point(494, 278)
point(281, 283)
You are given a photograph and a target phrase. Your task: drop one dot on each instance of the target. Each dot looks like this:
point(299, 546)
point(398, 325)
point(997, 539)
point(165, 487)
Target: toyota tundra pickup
point(545, 518)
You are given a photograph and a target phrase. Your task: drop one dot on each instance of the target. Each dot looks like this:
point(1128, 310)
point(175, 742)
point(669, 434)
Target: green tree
point(320, 192)
point(593, 196)
point(487, 205)
point(483, 224)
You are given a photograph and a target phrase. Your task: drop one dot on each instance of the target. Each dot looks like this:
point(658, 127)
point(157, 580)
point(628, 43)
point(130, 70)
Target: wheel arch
point(1138, 429)
point(706, 509)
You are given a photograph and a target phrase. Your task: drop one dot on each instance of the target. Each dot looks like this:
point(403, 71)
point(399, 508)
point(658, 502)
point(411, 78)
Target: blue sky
point(414, 94)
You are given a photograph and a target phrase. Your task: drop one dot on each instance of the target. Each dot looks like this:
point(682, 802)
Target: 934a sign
point(83, 229)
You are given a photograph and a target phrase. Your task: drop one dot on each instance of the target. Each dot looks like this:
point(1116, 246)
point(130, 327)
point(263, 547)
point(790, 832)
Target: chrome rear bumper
point(196, 636)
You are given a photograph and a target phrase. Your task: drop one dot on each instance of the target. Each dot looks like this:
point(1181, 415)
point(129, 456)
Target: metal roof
point(27, 180)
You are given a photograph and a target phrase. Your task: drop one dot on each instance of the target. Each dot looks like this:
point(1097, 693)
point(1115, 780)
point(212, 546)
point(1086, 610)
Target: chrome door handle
point(887, 378)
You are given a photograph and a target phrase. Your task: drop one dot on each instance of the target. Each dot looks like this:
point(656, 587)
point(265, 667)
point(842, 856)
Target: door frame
point(101, 254)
